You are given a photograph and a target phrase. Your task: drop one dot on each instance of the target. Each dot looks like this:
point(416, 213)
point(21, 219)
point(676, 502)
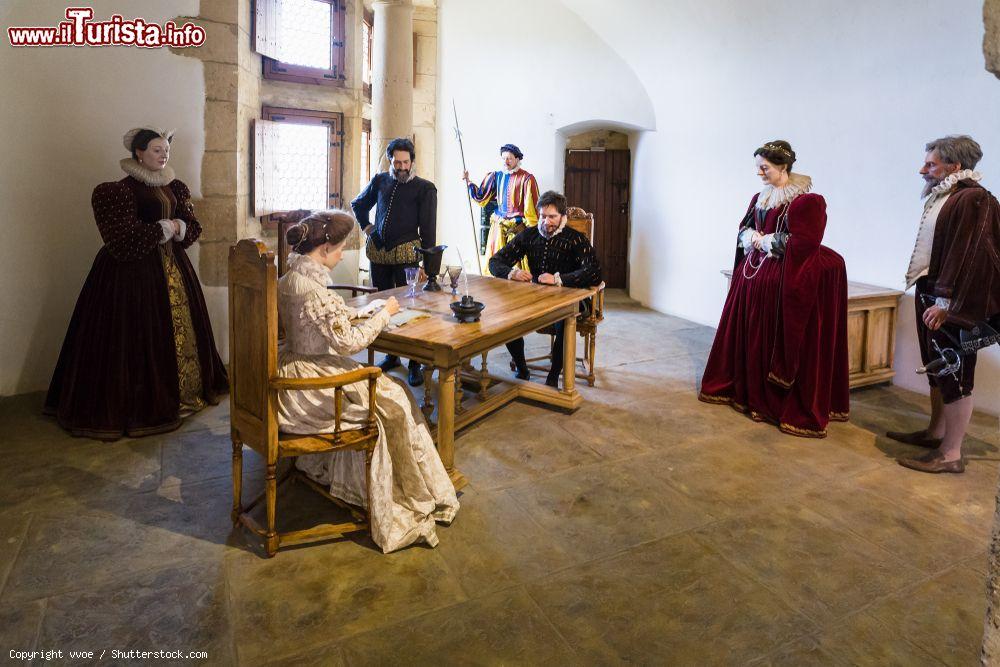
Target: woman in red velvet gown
point(780, 353)
point(139, 352)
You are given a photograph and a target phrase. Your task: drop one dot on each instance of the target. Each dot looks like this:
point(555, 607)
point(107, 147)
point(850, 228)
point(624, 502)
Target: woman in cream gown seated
point(410, 489)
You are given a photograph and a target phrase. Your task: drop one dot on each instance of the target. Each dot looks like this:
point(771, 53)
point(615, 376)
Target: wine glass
point(454, 271)
point(411, 279)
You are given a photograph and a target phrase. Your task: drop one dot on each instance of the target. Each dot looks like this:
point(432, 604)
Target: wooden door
point(598, 182)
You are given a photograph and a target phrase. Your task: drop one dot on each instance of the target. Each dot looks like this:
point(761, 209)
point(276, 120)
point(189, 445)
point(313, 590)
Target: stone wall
point(606, 139)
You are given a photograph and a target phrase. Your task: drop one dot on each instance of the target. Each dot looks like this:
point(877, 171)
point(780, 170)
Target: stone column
point(991, 40)
point(392, 74)
point(991, 630)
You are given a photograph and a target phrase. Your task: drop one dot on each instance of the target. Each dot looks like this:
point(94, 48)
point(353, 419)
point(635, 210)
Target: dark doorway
point(598, 182)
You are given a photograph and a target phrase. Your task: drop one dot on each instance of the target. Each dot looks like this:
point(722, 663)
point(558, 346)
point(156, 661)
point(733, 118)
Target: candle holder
point(468, 309)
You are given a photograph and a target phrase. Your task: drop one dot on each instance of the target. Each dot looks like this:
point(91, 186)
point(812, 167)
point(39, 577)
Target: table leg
point(428, 405)
point(484, 378)
point(569, 354)
point(459, 394)
point(446, 424)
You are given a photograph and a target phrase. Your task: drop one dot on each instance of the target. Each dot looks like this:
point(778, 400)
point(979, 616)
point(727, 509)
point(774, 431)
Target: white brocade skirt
point(410, 489)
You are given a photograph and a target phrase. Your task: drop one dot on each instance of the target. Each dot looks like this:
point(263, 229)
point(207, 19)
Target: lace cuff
point(168, 231)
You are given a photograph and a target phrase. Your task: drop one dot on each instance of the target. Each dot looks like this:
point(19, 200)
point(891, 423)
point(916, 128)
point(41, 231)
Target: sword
point(472, 217)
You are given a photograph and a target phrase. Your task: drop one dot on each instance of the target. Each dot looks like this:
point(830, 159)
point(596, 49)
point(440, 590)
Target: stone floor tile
point(310, 596)
point(19, 625)
point(117, 536)
point(496, 455)
point(80, 469)
point(963, 503)
point(898, 527)
point(730, 475)
point(943, 615)
point(197, 456)
point(674, 601)
point(801, 652)
point(821, 569)
point(506, 628)
point(865, 641)
point(602, 509)
point(13, 531)
point(495, 544)
point(170, 609)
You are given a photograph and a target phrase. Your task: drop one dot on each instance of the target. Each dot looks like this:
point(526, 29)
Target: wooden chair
point(586, 323)
point(291, 218)
point(253, 397)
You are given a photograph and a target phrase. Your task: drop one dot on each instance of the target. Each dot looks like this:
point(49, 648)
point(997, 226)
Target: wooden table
point(513, 309)
point(871, 332)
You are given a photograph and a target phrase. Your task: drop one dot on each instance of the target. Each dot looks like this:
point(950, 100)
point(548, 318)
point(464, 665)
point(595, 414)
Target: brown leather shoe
point(933, 463)
point(917, 438)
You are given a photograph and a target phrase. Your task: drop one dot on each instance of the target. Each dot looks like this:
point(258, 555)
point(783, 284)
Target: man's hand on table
point(547, 279)
point(521, 276)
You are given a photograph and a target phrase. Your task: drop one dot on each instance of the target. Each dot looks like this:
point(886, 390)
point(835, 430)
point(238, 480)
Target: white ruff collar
point(948, 183)
point(772, 197)
point(309, 268)
point(132, 167)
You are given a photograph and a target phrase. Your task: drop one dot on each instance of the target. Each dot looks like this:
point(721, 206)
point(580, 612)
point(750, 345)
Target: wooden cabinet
point(871, 331)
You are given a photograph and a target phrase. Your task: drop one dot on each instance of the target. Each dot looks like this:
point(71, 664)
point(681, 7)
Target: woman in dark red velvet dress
point(780, 354)
point(139, 352)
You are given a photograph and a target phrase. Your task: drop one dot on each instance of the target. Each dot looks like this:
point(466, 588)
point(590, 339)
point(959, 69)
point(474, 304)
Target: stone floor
point(647, 527)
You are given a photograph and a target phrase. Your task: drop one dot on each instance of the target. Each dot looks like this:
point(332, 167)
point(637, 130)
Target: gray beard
point(401, 176)
point(928, 188)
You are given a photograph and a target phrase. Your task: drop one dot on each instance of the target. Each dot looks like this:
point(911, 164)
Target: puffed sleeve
point(486, 191)
point(124, 235)
point(328, 315)
point(531, 201)
point(589, 273)
point(806, 224)
point(185, 211)
point(799, 281)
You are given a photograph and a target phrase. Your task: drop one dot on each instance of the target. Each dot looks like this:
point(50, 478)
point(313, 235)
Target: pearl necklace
point(758, 226)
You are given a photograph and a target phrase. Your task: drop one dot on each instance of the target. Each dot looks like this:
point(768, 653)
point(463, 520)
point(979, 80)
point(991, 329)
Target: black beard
point(401, 174)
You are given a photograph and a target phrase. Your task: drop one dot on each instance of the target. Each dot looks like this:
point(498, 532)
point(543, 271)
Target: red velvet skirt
point(739, 363)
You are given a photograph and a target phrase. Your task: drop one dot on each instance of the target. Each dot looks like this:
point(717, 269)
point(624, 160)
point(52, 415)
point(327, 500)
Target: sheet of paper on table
point(406, 315)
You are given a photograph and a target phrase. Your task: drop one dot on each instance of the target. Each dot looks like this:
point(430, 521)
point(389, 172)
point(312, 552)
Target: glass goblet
point(454, 271)
point(411, 279)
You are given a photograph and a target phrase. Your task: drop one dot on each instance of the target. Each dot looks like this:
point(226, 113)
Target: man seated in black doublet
point(557, 255)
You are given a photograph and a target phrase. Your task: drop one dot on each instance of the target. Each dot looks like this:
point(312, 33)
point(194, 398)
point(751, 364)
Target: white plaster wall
point(63, 116)
point(857, 88)
point(519, 71)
